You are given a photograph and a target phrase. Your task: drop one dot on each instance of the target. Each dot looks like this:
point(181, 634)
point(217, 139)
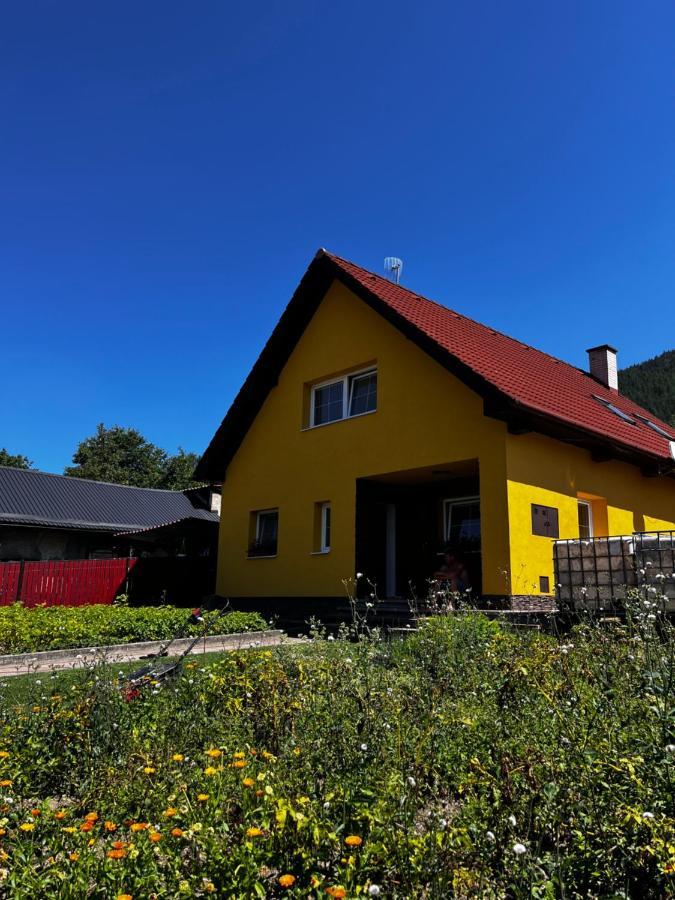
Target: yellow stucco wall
point(545, 471)
point(424, 417)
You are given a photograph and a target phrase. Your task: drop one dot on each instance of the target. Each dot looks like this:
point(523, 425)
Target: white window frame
point(347, 382)
point(326, 513)
point(589, 507)
point(448, 503)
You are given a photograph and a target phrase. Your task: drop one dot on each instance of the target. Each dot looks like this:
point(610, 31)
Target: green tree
point(652, 384)
point(120, 455)
point(15, 460)
point(179, 470)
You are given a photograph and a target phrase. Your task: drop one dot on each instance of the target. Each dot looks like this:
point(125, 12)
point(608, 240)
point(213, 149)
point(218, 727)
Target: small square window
point(266, 533)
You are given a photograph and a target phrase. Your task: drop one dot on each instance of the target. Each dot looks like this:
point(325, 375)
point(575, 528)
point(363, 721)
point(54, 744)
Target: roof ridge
point(74, 478)
point(497, 331)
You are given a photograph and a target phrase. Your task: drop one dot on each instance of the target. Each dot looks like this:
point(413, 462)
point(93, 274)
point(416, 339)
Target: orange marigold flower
point(353, 840)
point(91, 817)
point(239, 764)
point(3, 832)
point(253, 832)
point(202, 798)
point(139, 826)
point(178, 757)
point(36, 812)
point(170, 811)
point(74, 857)
point(287, 881)
point(259, 793)
point(155, 837)
point(86, 826)
point(248, 782)
point(124, 897)
point(116, 854)
point(6, 782)
point(119, 845)
point(337, 891)
point(214, 752)
point(110, 826)
point(176, 832)
point(59, 814)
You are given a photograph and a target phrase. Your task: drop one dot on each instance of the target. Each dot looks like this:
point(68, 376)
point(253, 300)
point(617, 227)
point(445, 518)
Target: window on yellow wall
point(322, 527)
point(585, 513)
point(343, 398)
point(264, 532)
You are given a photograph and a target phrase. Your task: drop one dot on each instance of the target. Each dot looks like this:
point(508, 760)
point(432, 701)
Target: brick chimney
point(602, 365)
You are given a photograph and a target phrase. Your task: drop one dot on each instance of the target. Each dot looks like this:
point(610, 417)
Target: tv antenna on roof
point(392, 268)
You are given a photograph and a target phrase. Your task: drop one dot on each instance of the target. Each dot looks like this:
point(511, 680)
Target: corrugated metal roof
point(28, 497)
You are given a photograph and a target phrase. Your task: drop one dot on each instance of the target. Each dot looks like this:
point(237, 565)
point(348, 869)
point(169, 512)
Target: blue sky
point(167, 171)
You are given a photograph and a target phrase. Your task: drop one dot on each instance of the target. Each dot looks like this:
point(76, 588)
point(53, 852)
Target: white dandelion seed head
point(512, 821)
point(519, 849)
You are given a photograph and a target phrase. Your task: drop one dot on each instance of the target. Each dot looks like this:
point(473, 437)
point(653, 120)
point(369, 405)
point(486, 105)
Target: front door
point(462, 535)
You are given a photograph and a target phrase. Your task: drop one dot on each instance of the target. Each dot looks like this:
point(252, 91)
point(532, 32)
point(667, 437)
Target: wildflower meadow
point(467, 760)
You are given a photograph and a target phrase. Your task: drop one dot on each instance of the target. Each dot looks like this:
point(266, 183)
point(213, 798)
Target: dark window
point(545, 521)
point(544, 584)
point(266, 532)
point(328, 403)
point(362, 393)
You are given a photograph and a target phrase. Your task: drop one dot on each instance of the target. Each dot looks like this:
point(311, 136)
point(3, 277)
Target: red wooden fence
point(63, 583)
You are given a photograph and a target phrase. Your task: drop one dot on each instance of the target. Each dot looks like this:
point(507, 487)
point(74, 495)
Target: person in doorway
point(452, 573)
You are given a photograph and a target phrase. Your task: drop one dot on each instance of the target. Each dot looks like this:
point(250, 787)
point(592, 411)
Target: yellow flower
point(178, 757)
point(91, 817)
point(214, 753)
point(3, 754)
point(6, 782)
point(110, 826)
point(69, 829)
point(248, 782)
point(149, 770)
point(74, 857)
point(239, 764)
point(253, 832)
point(238, 755)
point(353, 840)
point(27, 826)
point(287, 881)
point(210, 770)
point(210, 887)
point(170, 811)
point(297, 751)
point(202, 798)
point(139, 826)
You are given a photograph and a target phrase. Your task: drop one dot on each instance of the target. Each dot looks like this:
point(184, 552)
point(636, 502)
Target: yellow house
point(380, 432)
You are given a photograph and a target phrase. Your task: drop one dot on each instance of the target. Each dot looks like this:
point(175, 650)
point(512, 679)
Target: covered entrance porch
point(419, 524)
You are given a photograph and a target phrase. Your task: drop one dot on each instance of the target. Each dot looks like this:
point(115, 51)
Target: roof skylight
point(615, 409)
point(654, 427)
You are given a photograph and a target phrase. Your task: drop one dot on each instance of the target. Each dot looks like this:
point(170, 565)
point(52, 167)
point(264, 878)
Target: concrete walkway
point(57, 660)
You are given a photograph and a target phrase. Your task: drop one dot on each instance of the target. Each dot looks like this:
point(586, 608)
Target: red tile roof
point(531, 378)
point(518, 382)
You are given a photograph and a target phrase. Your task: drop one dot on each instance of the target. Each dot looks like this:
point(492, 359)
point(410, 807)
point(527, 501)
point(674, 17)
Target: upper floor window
point(341, 398)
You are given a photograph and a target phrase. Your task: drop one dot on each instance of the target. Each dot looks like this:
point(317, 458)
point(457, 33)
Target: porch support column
point(494, 518)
